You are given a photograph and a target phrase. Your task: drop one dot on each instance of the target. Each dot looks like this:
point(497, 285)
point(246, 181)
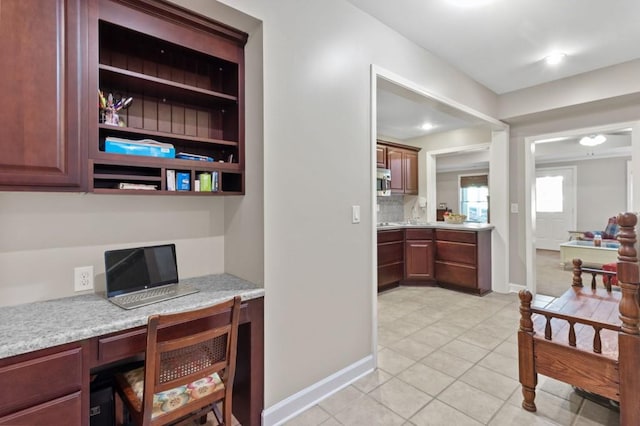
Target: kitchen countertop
point(438, 225)
point(32, 326)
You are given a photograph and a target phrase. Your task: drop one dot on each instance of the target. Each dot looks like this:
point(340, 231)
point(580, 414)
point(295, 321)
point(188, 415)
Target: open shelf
point(158, 87)
point(186, 79)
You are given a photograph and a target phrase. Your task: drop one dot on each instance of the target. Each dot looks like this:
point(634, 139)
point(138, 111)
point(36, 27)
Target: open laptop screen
point(137, 268)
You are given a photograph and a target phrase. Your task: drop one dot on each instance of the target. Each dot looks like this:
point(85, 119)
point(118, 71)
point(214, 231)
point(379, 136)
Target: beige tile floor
point(448, 358)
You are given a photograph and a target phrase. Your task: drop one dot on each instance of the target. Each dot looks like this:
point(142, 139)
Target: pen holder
point(110, 116)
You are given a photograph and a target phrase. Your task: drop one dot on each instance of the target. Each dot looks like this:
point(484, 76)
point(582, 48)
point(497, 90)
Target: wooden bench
point(588, 337)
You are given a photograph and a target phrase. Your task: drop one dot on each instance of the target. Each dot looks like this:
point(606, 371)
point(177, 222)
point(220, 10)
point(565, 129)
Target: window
point(549, 196)
point(474, 198)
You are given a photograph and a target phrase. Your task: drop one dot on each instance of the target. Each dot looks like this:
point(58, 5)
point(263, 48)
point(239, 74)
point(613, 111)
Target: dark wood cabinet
point(45, 385)
point(418, 255)
point(381, 156)
point(403, 163)
point(185, 74)
point(463, 259)
point(43, 64)
point(460, 259)
point(390, 258)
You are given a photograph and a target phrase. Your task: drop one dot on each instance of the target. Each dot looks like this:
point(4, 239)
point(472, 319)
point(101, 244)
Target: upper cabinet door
point(410, 160)
point(381, 156)
point(395, 164)
point(42, 64)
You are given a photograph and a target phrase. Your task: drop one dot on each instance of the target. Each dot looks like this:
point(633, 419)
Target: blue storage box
point(145, 147)
point(183, 181)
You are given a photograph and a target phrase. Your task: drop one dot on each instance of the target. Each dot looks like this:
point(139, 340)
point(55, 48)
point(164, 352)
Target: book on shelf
point(196, 157)
point(214, 181)
point(127, 185)
point(171, 180)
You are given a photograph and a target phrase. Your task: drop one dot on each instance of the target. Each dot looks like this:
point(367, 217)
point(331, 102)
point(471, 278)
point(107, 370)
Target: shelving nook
point(185, 74)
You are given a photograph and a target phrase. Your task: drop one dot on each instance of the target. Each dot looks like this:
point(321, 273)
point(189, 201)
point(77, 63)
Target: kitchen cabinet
point(43, 64)
point(390, 258)
point(403, 163)
point(185, 74)
point(463, 259)
point(45, 385)
point(418, 255)
point(381, 156)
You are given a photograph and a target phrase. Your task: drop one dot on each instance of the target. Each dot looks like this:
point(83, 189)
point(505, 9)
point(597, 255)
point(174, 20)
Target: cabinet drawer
point(459, 236)
point(390, 253)
point(392, 235)
point(456, 252)
point(419, 234)
point(462, 275)
point(122, 345)
point(65, 410)
point(40, 379)
point(390, 273)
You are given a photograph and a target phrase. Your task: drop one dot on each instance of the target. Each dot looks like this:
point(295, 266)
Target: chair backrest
point(186, 347)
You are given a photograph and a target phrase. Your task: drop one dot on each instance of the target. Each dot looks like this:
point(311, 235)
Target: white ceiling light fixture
point(592, 140)
point(426, 126)
point(555, 58)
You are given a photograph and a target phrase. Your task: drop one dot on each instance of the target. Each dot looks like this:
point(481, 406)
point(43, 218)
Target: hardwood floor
point(551, 278)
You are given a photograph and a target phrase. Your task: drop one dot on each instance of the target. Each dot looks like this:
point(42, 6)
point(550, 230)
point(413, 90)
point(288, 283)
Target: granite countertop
point(32, 326)
point(439, 225)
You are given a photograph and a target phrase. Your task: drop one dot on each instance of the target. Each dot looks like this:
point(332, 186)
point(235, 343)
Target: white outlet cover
point(83, 278)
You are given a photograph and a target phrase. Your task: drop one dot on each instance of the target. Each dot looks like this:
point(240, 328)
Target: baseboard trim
point(298, 402)
point(515, 288)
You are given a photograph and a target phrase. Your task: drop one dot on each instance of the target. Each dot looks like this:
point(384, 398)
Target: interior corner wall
point(318, 268)
point(244, 216)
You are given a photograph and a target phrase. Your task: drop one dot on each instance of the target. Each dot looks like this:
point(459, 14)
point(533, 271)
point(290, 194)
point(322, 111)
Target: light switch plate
point(514, 207)
point(355, 214)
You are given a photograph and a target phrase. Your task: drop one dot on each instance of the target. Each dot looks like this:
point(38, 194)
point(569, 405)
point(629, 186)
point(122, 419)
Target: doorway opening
point(571, 188)
point(498, 179)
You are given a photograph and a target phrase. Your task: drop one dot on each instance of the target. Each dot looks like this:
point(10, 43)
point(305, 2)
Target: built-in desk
point(48, 350)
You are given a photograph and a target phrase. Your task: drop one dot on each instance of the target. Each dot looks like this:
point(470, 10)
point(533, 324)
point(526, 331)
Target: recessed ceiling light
point(592, 140)
point(427, 126)
point(555, 58)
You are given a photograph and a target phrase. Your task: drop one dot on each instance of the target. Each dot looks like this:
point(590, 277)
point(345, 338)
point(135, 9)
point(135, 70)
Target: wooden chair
point(189, 367)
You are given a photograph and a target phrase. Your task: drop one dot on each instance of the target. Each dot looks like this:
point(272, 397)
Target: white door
point(555, 206)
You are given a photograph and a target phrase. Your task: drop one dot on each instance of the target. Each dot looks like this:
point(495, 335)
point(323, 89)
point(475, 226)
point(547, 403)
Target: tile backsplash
point(391, 208)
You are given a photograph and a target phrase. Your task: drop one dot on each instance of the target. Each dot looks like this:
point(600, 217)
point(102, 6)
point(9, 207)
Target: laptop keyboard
point(152, 295)
point(148, 294)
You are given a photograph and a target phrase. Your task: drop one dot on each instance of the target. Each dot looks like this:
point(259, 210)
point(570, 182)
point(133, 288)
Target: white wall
point(448, 184)
point(601, 190)
point(317, 164)
point(45, 235)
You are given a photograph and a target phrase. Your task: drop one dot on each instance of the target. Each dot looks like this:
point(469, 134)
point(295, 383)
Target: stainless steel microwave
point(383, 182)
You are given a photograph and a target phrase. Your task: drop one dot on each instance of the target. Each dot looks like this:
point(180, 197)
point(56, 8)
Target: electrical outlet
point(83, 278)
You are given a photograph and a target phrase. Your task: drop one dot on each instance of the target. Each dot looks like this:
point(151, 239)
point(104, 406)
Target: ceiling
point(502, 43)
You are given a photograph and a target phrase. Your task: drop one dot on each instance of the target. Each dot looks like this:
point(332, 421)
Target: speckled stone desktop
point(32, 326)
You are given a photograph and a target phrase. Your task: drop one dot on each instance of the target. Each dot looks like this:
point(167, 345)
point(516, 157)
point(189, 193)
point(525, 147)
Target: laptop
point(141, 276)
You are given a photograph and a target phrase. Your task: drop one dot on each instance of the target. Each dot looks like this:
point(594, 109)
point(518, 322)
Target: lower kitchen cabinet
point(390, 258)
point(459, 259)
point(418, 249)
point(43, 387)
point(463, 259)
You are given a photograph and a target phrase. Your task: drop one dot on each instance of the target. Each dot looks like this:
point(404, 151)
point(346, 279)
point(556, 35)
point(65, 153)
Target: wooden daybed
point(589, 337)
